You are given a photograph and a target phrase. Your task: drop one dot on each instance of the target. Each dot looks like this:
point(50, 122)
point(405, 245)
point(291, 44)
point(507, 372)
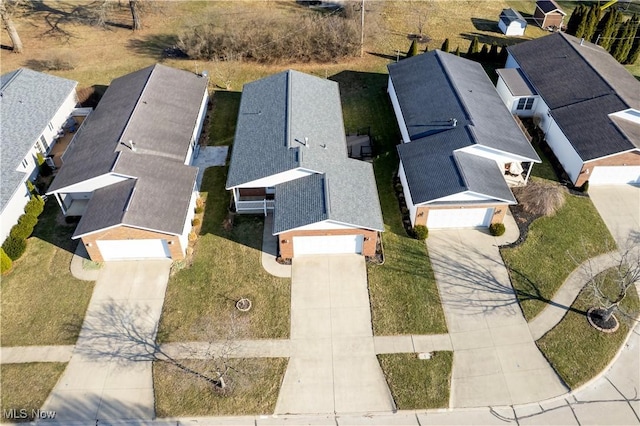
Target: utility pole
point(362, 29)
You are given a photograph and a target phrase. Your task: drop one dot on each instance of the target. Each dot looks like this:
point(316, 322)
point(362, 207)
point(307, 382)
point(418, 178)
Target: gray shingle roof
point(482, 176)
point(28, 102)
point(516, 82)
point(277, 116)
point(581, 84)
point(511, 15)
point(549, 6)
point(156, 107)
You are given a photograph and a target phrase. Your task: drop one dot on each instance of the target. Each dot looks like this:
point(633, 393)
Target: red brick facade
point(627, 159)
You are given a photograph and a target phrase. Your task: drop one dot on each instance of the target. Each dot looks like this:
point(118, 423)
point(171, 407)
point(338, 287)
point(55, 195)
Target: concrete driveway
point(495, 360)
point(333, 367)
point(619, 207)
point(109, 374)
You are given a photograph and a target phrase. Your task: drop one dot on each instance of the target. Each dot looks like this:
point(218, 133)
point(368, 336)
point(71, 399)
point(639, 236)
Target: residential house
point(290, 159)
point(548, 15)
point(461, 148)
point(127, 172)
point(34, 108)
point(585, 102)
point(511, 22)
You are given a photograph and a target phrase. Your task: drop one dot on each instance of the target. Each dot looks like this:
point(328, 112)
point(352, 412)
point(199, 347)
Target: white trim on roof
point(278, 178)
point(75, 237)
point(331, 224)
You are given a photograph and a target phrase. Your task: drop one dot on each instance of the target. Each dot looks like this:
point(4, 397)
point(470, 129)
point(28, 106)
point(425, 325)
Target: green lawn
point(222, 125)
point(554, 247)
point(418, 384)
point(41, 302)
point(200, 300)
point(578, 351)
point(26, 386)
point(253, 386)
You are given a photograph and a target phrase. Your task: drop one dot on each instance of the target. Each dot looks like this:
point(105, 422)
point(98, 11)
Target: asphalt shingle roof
point(511, 15)
point(28, 101)
point(432, 88)
point(294, 121)
point(581, 84)
point(549, 6)
point(517, 84)
point(156, 107)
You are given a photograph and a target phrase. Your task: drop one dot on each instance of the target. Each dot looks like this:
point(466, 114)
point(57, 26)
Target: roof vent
point(205, 74)
point(129, 145)
point(453, 121)
point(582, 41)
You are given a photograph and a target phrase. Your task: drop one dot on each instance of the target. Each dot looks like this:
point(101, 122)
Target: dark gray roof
point(278, 116)
point(581, 84)
point(434, 87)
point(156, 107)
point(516, 82)
point(28, 102)
point(549, 6)
point(483, 176)
point(511, 15)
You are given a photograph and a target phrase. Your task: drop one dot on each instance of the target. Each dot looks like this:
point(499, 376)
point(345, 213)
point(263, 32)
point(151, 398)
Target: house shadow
point(486, 25)
point(157, 46)
point(53, 228)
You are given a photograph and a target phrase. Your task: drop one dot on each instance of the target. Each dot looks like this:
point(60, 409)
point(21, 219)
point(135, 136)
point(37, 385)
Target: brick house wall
point(626, 159)
point(500, 210)
point(129, 233)
point(368, 246)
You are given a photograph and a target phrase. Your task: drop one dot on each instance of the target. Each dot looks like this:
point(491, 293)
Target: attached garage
point(459, 218)
point(328, 244)
point(133, 249)
point(612, 175)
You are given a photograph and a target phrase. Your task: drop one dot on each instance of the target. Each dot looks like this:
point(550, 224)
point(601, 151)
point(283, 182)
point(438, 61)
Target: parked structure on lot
point(586, 103)
point(511, 23)
point(290, 159)
point(548, 15)
point(127, 172)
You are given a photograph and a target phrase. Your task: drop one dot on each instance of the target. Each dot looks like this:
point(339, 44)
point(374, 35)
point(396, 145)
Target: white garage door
point(603, 175)
point(459, 218)
point(332, 244)
point(133, 249)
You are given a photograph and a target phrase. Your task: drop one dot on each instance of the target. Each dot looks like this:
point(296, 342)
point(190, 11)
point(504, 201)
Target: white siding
point(12, 211)
point(91, 185)
point(568, 157)
point(514, 29)
point(500, 157)
point(325, 224)
point(398, 111)
point(58, 120)
point(407, 194)
point(505, 94)
point(273, 180)
point(511, 62)
point(197, 130)
point(186, 229)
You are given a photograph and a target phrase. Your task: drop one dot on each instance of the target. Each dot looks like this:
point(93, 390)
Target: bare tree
point(226, 69)
point(609, 288)
point(135, 7)
point(6, 11)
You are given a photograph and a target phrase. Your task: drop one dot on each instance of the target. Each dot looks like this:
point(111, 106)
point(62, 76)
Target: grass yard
point(225, 106)
point(254, 383)
point(418, 384)
point(42, 303)
point(26, 386)
point(577, 351)
point(200, 300)
point(554, 247)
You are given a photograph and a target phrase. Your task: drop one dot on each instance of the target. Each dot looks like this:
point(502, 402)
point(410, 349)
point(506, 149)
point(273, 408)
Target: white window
point(25, 163)
point(525, 103)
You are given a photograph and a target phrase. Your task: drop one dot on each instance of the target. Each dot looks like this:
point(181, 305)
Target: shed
point(511, 23)
point(548, 14)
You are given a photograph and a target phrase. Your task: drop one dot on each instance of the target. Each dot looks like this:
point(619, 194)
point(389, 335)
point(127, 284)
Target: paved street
point(333, 367)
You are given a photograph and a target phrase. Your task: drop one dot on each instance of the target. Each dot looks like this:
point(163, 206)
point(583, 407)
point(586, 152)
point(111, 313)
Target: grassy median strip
point(252, 388)
point(26, 387)
point(200, 300)
point(41, 302)
point(576, 350)
point(554, 247)
point(418, 383)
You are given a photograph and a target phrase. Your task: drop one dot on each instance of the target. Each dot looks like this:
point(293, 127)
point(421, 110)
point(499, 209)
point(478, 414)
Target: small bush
point(14, 247)
point(31, 187)
point(24, 227)
point(5, 262)
point(497, 229)
point(35, 206)
point(40, 159)
point(420, 232)
point(199, 209)
point(541, 197)
point(195, 222)
point(585, 187)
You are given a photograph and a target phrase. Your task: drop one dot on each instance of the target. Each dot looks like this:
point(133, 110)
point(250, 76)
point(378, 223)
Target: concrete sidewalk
point(333, 367)
point(619, 207)
point(109, 374)
point(495, 361)
point(23, 354)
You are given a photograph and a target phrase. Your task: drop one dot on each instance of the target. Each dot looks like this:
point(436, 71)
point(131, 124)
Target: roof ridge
point(455, 87)
point(133, 111)
point(13, 77)
point(460, 168)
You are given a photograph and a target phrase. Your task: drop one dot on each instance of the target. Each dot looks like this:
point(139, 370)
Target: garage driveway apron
point(495, 360)
point(333, 367)
point(109, 374)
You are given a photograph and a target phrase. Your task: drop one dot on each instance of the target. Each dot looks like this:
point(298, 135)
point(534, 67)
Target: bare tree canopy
point(6, 11)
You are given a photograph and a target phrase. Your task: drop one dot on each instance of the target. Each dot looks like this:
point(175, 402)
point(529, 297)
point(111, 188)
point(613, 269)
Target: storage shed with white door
point(511, 22)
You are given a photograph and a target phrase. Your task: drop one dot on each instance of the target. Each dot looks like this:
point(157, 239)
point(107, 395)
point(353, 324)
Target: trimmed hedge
point(421, 232)
point(497, 229)
point(24, 227)
point(14, 247)
point(35, 206)
point(5, 262)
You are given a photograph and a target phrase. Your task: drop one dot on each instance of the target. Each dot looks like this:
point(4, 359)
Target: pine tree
point(474, 47)
point(484, 52)
point(445, 45)
point(458, 51)
point(413, 49)
point(504, 54)
point(582, 24)
point(608, 29)
point(624, 41)
point(493, 53)
point(426, 48)
point(574, 20)
point(635, 49)
point(592, 22)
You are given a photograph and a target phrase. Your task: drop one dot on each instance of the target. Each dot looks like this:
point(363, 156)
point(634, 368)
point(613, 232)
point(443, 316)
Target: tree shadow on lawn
point(486, 25)
point(155, 45)
point(52, 228)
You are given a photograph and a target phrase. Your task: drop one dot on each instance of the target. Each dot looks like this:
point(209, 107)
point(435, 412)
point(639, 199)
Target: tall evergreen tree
point(574, 19)
point(458, 51)
point(635, 49)
point(445, 45)
point(592, 22)
point(609, 27)
point(493, 53)
point(582, 22)
point(474, 47)
point(624, 40)
point(504, 54)
point(413, 49)
point(484, 52)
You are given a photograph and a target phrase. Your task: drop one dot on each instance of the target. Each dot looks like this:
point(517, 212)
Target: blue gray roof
point(581, 84)
point(511, 15)
point(28, 102)
point(294, 121)
point(449, 103)
point(157, 108)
